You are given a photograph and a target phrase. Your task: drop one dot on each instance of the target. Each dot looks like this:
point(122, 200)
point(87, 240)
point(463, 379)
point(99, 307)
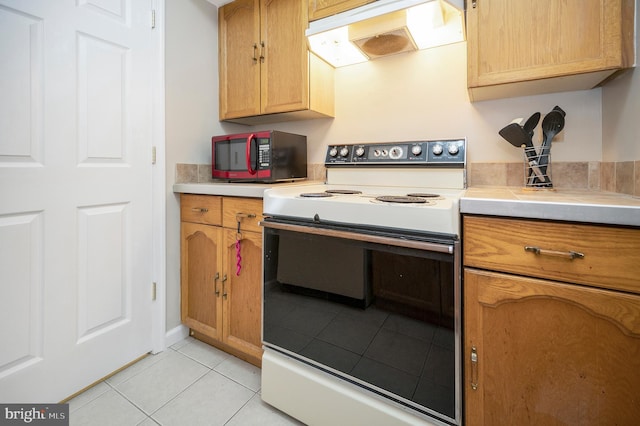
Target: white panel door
point(75, 193)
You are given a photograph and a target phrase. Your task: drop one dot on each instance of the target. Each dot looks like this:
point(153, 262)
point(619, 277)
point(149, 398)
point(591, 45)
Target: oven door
point(378, 309)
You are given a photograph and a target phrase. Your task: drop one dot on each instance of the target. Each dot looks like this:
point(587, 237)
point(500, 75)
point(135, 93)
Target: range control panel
point(446, 152)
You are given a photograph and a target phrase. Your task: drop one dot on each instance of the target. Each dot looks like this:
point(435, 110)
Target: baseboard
point(176, 334)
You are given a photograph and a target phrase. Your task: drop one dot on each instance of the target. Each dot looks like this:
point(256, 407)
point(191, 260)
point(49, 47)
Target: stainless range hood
point(386, 27)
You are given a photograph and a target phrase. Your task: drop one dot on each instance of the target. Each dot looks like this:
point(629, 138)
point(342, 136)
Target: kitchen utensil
point(529, 127)
point(531, 123)
point(552, 124)
point(518, 137)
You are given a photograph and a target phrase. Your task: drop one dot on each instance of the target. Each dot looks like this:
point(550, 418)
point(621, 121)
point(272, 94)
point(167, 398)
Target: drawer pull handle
point(566, 254)
point(224, 286)
point(200, 209)
point(240, 216)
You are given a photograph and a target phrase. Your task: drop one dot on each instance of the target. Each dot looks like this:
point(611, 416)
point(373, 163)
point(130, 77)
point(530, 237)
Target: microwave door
point(222, 156)
point(237, 155)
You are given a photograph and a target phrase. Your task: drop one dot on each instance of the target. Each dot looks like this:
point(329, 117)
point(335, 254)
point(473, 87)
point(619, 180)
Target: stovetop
point(439, 215)
point(432, 178)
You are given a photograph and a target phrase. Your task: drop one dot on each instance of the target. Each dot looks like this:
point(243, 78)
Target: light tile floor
point(191, 383)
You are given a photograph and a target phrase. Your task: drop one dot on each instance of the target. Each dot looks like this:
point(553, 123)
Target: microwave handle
point(250, 169)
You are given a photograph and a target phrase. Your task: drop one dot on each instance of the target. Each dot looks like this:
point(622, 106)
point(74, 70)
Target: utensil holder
point(537, 169)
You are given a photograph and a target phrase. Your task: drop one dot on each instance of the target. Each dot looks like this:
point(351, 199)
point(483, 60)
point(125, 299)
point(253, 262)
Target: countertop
point(561, 204)
point(558, 204)
point(253, 190)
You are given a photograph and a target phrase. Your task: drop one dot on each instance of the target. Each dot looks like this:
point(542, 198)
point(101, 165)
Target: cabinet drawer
point(206, 209)
point(247, 210)
point(543, 249)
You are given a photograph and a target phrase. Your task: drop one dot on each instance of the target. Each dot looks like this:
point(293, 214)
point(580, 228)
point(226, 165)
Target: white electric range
point(409, 185)
point(362, 288)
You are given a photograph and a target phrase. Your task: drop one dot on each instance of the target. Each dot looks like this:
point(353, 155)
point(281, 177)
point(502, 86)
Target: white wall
point(423, 95)
point(419, 95)
point(191, 108)
point(621, 113)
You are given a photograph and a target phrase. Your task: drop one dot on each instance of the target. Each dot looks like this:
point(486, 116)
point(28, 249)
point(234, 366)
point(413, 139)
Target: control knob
point(416, 150)
point(359, 151)
point(333, 152)
point(453, 149)
point(437, 149)
point(395, 152)
point(344, 151)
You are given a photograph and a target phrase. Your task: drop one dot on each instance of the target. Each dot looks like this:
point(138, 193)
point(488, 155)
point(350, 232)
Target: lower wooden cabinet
point(544, 353)
point(221, 303)
point(539, 351)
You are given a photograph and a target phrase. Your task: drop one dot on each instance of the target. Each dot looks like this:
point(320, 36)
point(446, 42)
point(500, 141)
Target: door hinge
point(153, 290)
point(153, 18)
point(153, 155)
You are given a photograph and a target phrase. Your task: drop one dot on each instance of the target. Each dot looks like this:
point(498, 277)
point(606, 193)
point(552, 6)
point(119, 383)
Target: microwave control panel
point(264, 156)
point(436, 153)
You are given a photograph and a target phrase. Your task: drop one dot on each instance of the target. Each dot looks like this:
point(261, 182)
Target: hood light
point(426, 25)
point(334, 47)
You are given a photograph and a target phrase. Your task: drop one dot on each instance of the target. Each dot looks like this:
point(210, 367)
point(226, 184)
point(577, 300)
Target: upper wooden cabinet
point(265, 67)
point(323, 8)
point(519, 48)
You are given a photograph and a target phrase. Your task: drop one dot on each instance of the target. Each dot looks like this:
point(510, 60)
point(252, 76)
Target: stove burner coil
point(423, 195)
point(401, 199)
point(315, 195)
point(343, 191)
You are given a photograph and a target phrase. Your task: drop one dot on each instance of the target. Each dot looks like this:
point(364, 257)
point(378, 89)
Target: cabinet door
point(200, 263)
point(513, 41)
point(323, 8)
point(549, 353)
point(242, 293)
point(285, 71)
point(239, 56)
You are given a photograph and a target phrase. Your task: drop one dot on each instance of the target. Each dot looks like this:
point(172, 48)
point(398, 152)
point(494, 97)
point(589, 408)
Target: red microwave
point(267, 156)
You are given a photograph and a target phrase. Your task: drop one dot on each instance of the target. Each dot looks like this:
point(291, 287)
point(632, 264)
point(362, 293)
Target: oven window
point(378, 315)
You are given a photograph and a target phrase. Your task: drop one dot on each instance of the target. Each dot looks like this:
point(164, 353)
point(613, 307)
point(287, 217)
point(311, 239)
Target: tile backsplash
point(621, 177)
point(201, 173)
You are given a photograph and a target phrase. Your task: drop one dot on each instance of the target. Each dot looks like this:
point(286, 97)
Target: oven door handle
point(399, 242)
